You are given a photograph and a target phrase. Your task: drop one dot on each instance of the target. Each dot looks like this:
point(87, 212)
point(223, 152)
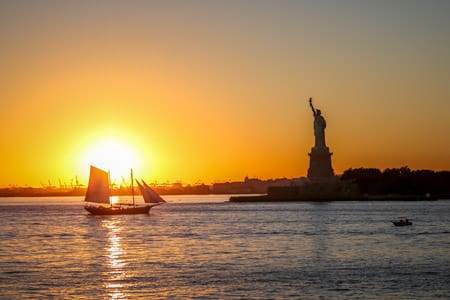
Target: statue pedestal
point(320, 164)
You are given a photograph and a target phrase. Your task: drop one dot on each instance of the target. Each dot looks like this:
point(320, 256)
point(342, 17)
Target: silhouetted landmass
point(401, 181)
point(364, 184)
point(126, 191)
point(332, 189)
point(353, 184)
point(248, 186)
point(179, 189)
point(252, 185)
point(40, 192)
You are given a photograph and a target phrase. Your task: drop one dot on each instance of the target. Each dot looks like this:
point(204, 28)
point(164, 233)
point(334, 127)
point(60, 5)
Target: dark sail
point(98, 188)
point(150, 196)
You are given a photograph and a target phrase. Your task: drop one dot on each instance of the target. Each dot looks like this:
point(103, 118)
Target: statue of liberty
point(319, 127)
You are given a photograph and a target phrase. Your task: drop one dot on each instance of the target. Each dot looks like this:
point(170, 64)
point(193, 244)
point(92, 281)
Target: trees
point(402, 181)
point(367, 179)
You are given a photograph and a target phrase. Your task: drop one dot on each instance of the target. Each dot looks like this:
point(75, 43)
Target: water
point(200, 247)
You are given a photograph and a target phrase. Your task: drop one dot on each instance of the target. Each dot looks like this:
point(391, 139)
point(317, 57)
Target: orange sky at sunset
point(205, 91)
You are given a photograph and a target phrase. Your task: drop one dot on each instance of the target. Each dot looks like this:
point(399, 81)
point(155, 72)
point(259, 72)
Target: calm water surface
point(201, 247)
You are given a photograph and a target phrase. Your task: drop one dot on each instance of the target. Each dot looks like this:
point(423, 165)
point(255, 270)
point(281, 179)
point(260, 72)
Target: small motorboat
point(402, 221)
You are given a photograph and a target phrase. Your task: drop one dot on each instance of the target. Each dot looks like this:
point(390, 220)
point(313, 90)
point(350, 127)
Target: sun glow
point(114, 199)
point(112, 155)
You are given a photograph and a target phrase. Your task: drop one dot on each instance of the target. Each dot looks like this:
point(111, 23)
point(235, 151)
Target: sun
point(114, 155)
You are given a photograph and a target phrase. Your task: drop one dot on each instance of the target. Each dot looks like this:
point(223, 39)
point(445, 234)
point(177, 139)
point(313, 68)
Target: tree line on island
point(400, 181)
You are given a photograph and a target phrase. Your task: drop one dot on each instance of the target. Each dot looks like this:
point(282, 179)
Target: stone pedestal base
point(320, 164)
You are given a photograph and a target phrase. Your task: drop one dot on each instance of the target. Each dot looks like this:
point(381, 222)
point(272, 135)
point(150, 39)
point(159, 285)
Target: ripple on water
point(227, 251)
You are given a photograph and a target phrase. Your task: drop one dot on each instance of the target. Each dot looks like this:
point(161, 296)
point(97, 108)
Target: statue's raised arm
point(312, 106)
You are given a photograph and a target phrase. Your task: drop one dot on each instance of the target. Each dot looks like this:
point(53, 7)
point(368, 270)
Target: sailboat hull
point(103, 210)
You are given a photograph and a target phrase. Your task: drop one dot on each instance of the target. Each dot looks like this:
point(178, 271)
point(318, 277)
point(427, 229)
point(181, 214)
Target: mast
point(109, 188)
point(132, 189)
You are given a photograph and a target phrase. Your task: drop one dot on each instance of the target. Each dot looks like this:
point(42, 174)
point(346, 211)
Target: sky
point(213, 91)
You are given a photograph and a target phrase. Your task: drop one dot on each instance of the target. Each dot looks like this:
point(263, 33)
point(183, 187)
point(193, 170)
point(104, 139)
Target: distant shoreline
point(266, 198)
point(354, 184)
point(239, 197)
point(82, 192)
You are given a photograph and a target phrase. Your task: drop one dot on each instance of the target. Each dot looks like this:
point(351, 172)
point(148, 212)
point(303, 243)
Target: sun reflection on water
point(115, 259)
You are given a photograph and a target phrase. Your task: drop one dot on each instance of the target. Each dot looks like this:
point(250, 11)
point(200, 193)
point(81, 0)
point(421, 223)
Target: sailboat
point(98, 192)
point(150, 196)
